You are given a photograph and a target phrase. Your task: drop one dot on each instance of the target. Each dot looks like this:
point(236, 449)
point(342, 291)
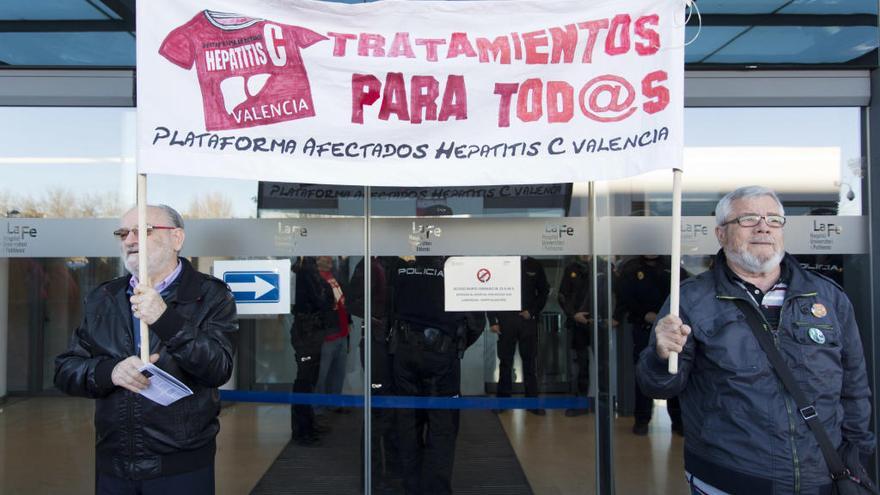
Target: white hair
point(725, 206)
point(173, 216)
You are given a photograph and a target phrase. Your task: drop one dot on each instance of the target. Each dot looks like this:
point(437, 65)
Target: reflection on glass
point(316, 318)
point(642, 286)
point(518, 330)
point(69, 49)
point(45, 306)
point(811, 156)
point(797, 44)
point(89, 169)
point(428, 343)
point(54, 10)
point(385, 467)
point(575, 300)
point(297, 199)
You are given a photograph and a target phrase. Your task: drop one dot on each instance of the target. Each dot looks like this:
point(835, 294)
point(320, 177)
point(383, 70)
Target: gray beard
point(131, 269)
point(751, 263)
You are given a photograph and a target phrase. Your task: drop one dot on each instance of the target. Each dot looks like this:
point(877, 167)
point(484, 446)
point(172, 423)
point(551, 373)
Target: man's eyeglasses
point(773, 221)
point(122, 233)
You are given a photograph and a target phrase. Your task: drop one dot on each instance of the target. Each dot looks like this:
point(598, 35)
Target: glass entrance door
point(522, 426)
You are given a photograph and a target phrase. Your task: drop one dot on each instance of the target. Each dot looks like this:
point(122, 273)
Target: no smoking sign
point(482, 283)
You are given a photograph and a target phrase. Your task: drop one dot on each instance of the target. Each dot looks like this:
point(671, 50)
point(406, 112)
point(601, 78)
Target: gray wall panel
point(59, 238)
point(777, 88)
point(67, 88)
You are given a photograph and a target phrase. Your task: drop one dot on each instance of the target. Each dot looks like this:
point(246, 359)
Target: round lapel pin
point(818, 310)
point(816, 335)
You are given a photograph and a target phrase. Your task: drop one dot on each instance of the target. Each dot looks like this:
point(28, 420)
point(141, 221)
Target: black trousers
point(644, 404)
point(517, 330)
point(199, 481)
point(383, 437)
point(581, 337)
point(307, 340)
point(427, 440)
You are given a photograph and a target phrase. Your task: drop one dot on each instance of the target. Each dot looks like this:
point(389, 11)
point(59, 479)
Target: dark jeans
point(427, 467)
point(516, 330)
point(200, 481)
point(307, 341)
point(644, 404)
point(383, 437)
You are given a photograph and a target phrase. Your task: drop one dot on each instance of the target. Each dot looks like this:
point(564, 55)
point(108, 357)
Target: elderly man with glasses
point(143, 447)
point(744, 430)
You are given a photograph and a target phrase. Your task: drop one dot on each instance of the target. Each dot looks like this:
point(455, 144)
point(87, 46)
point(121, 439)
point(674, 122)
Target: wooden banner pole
point(143, 276)
point(675, 261)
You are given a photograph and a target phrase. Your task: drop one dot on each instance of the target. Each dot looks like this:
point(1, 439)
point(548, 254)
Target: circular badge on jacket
point(640, 275)
point(816, 335)
point(818, 310)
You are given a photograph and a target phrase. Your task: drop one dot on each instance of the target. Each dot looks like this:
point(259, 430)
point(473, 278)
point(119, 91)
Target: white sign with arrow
point(260, 287)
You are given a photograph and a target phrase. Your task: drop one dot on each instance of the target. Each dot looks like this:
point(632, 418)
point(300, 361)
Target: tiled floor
point(47, 447)
point(558, 454)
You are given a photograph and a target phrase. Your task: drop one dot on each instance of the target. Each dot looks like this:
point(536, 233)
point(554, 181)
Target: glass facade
point(68, 173)
point(812, 156)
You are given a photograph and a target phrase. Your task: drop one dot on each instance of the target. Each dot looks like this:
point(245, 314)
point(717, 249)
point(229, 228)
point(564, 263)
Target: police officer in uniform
point(574, 299)
point(521, 327)
point(429, 343)
point(643, 287)
point(313, 315)
point(383, 435)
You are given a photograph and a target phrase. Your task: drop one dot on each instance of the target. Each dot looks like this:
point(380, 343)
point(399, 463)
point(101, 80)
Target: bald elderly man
point(143, 447)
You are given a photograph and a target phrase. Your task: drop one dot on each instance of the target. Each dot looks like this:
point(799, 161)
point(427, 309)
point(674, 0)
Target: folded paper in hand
point(164, 388)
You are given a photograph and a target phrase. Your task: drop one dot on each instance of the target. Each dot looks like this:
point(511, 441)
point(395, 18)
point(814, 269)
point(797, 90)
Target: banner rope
point(692, 7)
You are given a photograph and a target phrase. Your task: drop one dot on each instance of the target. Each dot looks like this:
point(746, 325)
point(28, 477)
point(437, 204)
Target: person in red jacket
point(334, 351)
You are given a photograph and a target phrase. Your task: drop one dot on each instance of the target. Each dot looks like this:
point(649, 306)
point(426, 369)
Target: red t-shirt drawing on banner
point(250, 70)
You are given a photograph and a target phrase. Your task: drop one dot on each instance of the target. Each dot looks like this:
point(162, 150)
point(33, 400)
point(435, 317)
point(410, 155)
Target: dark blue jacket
point(743, 433)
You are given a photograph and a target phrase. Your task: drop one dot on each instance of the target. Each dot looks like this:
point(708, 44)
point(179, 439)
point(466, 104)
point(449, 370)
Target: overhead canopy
point(410, 93)
point(771, 34)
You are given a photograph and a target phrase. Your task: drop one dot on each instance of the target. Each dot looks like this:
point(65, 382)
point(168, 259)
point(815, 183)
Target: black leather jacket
point(195, 338)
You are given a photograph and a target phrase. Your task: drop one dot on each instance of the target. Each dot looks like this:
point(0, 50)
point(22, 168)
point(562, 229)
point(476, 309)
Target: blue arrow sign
point(254, 287)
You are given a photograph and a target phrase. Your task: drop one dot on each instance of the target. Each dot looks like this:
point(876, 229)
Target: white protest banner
point(410, 93)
